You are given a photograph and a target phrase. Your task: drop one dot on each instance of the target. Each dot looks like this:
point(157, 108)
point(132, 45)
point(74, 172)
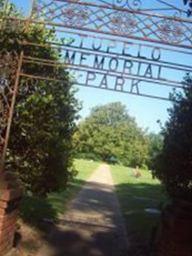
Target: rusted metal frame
point(107, 23)
point(30, 59)
point(59, 46)
point(142, 21)
point(163, 64)
point(40, 77)
point(45, 23)
point(116, 35)
point(172, 6)
point(131, 93)
point(11, 112)
point(141, 30)
point(44, 62)
point(46, 6)
point(152, 31)
point(107, 72)
point(187, 29)
point(116, 39)
point(96, 87)
point(129, 37)
point(157, 9)
point(128, 76)
point(126, 10)
point(168, 8)
point(159, 38)
point(78, 68)
point(165, 7)
point(105, 2)
point(104, 23)
point(56, 9)
point(127, 92)
point(96, 18)
point(185, 34)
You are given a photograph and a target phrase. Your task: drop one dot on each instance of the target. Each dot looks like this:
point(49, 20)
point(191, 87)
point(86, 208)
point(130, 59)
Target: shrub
point(174, 163)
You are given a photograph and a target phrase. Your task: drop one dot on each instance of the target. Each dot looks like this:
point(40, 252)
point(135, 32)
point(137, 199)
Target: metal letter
point(128, 65)
point(120, 81)
point(156, 54)
point(99, 64)
point(148, 72)
point(70, 59)
point(116, 62)
point(103, 83)
point(112, 45)
point(139, 53)
point(91, 76)
point(159, 74)
point(84, 57)
point(94, 47)
point(135, 85)
point(126, 46)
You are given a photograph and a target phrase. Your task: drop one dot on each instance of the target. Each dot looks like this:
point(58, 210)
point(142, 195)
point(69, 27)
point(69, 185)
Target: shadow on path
point(93, 224)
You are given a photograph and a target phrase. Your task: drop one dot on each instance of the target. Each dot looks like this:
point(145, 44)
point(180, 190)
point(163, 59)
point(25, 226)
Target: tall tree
point(110, 134)
point(174, 163)
point(40, 148)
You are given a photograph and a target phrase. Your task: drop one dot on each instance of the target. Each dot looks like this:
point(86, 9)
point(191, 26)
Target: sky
point(146, 111)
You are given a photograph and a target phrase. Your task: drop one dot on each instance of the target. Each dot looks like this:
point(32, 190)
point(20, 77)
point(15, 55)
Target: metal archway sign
point(119, 45)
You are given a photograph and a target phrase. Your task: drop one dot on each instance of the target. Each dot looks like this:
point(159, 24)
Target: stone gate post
point(10, 196)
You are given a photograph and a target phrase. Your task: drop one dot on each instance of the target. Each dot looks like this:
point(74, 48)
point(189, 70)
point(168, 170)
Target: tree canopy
point(174, 163)
point(40, 148)
point(111, 134)
point(155, 145)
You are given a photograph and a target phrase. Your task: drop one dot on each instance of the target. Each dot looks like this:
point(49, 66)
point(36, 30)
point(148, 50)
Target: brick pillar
point(10, 196)
point(175, 233)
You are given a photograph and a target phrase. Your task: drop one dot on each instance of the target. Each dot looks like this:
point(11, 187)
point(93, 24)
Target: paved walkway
point(92, 225)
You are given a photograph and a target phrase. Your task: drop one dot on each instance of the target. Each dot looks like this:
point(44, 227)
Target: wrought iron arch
point(119, 45)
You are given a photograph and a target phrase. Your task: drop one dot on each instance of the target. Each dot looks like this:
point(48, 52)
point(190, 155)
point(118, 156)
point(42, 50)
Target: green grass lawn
point(35, 209)
point(135, 196)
